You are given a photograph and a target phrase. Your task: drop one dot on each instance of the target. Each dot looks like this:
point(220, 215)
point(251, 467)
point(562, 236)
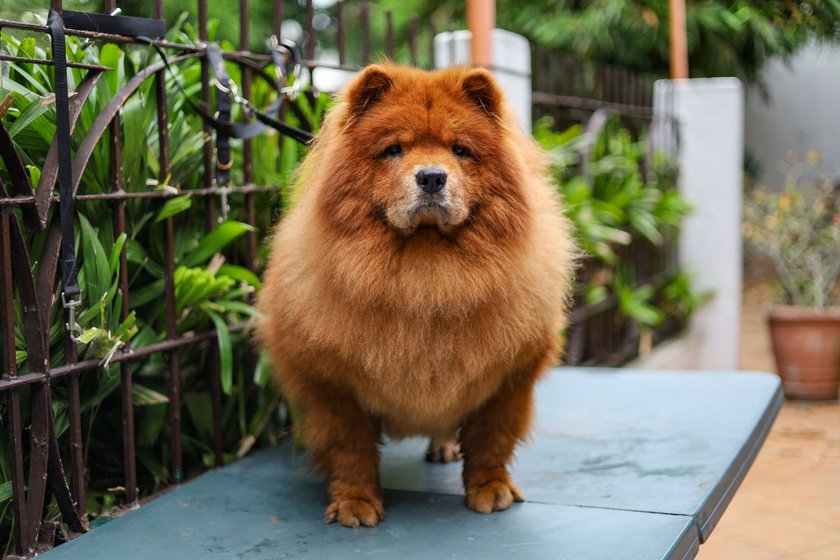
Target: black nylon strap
point(127, 26)
point(69, 271)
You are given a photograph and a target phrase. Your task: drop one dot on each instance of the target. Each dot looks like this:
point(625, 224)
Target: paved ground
point(789, 504)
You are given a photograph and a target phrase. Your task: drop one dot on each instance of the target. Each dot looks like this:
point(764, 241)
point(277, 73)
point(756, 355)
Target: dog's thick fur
point(389, 311)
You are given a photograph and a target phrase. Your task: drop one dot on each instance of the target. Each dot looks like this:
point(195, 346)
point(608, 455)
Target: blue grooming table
point(622, 465)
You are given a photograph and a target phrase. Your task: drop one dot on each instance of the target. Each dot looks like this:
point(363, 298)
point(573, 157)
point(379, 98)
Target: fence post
point(710, 113)
point(511, 65)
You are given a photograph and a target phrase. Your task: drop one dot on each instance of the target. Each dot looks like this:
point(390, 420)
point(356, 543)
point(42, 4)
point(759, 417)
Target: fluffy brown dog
point(419, 284)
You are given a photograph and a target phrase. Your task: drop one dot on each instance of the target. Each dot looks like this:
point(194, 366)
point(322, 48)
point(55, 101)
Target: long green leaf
point(173, 206)
point(5, 491)
point(144, 396)
point(116, 251)
point(225, 351)
point(95, 265)
point(240, 273)
point(224, 234)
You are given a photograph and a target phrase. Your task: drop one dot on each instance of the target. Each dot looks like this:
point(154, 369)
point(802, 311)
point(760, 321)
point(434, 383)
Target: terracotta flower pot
point(806, 344)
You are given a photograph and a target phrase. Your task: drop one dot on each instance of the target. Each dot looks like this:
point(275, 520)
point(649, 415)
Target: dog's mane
point(348, 284)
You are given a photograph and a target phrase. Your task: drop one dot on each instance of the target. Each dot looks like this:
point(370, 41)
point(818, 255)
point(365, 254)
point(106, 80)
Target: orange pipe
point(679, 46)
point(481, 19)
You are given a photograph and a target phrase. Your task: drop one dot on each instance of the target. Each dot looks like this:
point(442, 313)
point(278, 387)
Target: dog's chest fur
point(420, 374)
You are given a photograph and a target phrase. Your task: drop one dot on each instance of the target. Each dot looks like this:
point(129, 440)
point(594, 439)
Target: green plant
point(609, 197)
point(798, 232)
point(680, 297)
point(211, 287)
point(636, 302)
point(725, 37)
point(619, 194)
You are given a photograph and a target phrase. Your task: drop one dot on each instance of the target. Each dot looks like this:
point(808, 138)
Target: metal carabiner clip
point(229, 88)
point(283, 75)
point(72, 327)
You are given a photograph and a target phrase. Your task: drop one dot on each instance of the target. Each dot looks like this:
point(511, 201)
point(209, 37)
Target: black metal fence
point(48, 469)
point(571, 90)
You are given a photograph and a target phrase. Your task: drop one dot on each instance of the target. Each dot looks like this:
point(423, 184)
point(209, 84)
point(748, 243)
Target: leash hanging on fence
point(144, 30)
point(57, 22)
point(243, 131)
point(71, 296)
point(227, 92)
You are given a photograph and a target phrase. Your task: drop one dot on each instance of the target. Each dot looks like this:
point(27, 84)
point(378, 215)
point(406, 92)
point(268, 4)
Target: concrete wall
point(710, 113)
point(802, 114)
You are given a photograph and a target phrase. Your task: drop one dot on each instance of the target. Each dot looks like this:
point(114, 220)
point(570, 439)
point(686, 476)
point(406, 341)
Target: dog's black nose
point(431, 179)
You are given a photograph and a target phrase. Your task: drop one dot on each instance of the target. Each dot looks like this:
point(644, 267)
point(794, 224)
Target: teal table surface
point(622, 464)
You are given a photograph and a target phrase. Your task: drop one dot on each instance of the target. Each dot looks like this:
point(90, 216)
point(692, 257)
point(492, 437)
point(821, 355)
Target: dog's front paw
point(493, 495)
point(353, 512)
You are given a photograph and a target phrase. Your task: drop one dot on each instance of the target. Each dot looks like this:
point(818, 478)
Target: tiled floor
point(789, 504)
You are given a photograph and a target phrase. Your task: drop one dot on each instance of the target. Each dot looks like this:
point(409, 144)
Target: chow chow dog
point(418, 285)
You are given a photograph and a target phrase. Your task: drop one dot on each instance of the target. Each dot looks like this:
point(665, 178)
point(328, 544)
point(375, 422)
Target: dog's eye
point(460, 151)
point(392, 150)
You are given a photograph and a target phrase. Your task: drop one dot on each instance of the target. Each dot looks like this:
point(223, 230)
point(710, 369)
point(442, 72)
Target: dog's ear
point(368, 88)
point(482, 89)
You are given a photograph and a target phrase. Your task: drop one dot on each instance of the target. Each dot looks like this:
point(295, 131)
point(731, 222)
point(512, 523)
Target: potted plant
point(798, 231)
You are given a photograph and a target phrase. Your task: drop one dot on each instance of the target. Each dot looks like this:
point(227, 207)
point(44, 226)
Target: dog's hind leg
point(444, 449)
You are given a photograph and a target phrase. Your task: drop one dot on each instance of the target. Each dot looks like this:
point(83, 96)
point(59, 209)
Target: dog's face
point(427, 148)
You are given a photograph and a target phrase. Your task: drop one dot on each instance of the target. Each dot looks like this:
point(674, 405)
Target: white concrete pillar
point(710, 113)
point(511, 65)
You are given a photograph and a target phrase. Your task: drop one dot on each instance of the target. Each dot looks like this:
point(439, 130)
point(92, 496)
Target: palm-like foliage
point(617, 191)
point(213, 288)
point(725, 37)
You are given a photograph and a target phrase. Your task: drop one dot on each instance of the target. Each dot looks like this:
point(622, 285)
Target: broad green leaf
point(262, 372)
point(200, 408)
point(146, 294)
point(240, 273)
point(595, 295)
point(238, 307)
point(174, 206)
point(222, 236)
point(225, 351)
point(112, 55)
point(32, 112)
point(5, 491)
point(89, 335)
point(34, 174)
point(144, 396)
point(95, 263)
point(116, 251)
point(150, 422)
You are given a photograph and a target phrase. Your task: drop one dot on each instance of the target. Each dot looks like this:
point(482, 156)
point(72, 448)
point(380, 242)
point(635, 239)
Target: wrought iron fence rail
point(590, 105)
point(114, 196)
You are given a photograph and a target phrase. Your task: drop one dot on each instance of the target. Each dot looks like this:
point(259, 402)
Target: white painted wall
point(801, 114)
point(511, 65)
point(710, 113)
